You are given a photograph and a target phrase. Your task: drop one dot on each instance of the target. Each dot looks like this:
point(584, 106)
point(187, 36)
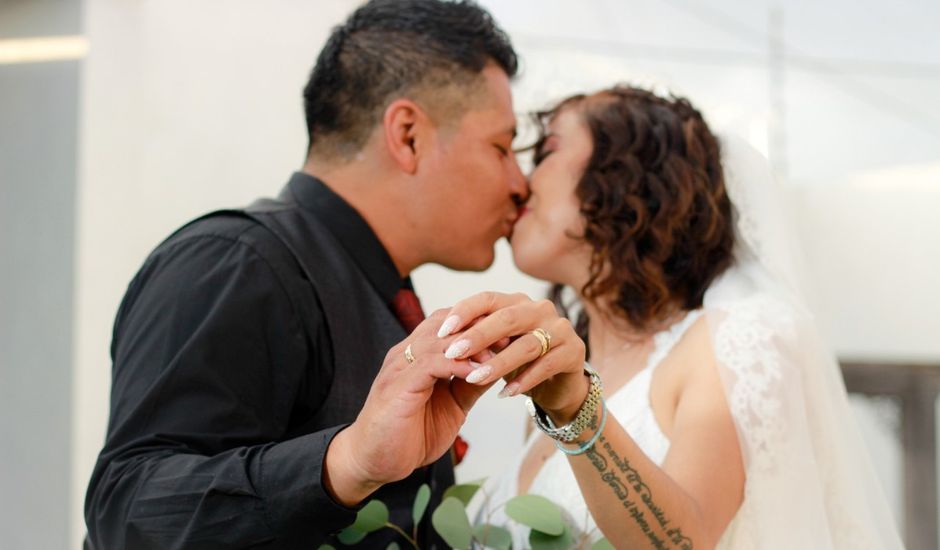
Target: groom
point(261, 390)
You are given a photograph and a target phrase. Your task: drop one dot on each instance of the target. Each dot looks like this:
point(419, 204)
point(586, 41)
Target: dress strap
point(665, 340)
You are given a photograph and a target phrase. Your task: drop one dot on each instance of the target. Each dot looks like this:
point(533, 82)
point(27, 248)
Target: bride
point(710, 416)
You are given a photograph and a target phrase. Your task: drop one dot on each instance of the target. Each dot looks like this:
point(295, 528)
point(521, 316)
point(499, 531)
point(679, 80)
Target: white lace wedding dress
point(809, 482)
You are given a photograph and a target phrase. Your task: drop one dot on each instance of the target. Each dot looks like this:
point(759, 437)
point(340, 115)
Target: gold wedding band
point(410, 357)
point(544, 338)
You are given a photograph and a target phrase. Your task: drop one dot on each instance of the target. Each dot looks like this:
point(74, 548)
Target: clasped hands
point(418, 403)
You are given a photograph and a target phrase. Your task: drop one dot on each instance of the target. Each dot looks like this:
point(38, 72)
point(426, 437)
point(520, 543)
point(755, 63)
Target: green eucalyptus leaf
point(421, 503)
point(492, 536)
point(326, 547)
point(350, 536)
point(451, 523)
point(544, 541)
point(372, 517)
point(393, 546)
point(537, 512)
point(602, 544)
point(463, 492)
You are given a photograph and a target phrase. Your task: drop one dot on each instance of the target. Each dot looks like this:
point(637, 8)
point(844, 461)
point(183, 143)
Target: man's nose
point(518, 184)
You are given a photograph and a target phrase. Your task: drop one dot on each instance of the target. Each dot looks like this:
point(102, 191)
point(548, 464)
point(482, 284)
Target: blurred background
point(122, 119)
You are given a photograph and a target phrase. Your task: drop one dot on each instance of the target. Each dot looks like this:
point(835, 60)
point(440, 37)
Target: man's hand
point(554, 378)
point(410, 418)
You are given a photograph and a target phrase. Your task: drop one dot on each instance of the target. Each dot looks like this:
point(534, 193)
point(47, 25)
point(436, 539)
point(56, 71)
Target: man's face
point(473, 180)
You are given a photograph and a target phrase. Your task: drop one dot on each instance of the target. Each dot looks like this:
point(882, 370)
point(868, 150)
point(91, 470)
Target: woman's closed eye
point(541, 154)
point(545, 147)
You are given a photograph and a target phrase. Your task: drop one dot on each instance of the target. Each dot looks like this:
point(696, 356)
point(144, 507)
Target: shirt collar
point(351, 231)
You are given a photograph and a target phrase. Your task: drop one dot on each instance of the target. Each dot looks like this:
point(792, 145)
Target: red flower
point(459, 450)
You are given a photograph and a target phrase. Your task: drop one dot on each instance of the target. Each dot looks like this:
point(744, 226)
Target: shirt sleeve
point(209, 355)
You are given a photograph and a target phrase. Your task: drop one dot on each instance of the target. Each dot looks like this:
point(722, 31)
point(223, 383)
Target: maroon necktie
point(408, 309)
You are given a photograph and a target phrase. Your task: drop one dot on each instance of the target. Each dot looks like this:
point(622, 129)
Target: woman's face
point(542, 242)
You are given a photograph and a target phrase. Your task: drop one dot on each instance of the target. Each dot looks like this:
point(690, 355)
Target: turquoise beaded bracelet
point(590, 442)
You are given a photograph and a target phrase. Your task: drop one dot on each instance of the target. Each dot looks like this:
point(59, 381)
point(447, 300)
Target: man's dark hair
point(390, 48)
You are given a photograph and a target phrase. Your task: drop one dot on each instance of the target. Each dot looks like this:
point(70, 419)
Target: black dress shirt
point(213, 371)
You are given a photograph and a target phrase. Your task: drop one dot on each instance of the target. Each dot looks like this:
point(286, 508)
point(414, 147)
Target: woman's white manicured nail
point(508, 391)
point(448, 327)
point(480, 374)
point(457, 349)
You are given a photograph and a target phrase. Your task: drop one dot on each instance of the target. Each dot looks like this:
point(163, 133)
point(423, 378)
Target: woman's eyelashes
point(545, 147)
point(541, 154)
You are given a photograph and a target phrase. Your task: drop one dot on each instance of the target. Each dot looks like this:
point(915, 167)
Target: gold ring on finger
point(545, 339)
point(409, 356)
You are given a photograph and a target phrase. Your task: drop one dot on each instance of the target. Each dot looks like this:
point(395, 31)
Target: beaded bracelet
point(590, 442)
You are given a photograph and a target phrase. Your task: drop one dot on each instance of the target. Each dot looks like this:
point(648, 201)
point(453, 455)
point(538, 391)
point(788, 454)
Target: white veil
point(810, 483)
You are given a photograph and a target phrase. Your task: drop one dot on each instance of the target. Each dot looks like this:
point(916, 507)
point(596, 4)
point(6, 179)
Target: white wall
point(872, 246)
point(191, 106)
point(38, 114)
point(38, 132)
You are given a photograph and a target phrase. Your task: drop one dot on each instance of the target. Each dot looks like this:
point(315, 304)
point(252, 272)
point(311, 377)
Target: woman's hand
point(494, 321)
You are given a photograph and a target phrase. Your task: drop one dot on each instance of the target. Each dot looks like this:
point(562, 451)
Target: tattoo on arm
point(627, 484)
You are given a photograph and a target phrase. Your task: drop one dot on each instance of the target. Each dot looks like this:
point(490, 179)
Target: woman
point(714, 419)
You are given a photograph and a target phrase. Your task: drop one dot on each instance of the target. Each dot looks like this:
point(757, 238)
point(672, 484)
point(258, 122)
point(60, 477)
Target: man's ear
point(403, 122)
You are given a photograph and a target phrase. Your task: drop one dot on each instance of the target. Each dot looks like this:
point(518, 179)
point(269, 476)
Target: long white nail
point(480, 374)
point(448, 327)
point(508, 391)
point(457, 349)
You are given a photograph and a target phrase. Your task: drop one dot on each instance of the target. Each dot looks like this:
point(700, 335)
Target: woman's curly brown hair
point(653, 196)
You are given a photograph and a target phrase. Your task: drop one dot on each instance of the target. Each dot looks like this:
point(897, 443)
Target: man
point(261, 390)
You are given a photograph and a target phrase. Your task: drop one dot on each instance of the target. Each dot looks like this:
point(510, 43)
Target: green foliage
point(350, 536)
point(492, 536)
point(463, 492)
point(451, 522)
point(421, 503)
point(543, 541)
point(537, 512)
point(372, 517)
